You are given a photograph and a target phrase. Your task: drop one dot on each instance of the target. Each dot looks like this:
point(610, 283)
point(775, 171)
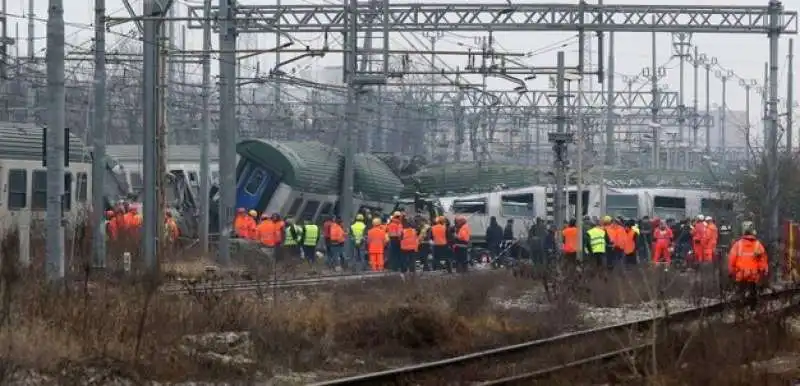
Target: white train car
point(665, 203)
point(23, 179)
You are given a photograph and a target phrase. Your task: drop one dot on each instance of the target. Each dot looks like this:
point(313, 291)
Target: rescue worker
point(395, 230)
point(441, 252)
point(699, 238)
point(241, 224)
point(596, 244)
point(133, 221)
point(310, 239)
point(338, 237)
point(631, 241)
point(120, 224)
point(712, 237)
point(253, 223)
point(292, 237)
point(267, 232)
point(570, 246)
point(748, 265)
point(377, 239)
point(662, 240)
point(461, 245)
point(326, 234)
point(357, 230)
point(617, 236)
point(171, 230)
point(110, 225)
point(424, 251)
point(494, 236)
point(409, 245)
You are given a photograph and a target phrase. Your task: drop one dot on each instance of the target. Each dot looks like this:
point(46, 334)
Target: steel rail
point(268, 284)
point(609, 355)
point(395, 375)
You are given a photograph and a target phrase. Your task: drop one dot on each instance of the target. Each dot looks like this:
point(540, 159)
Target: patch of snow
point(632, 312)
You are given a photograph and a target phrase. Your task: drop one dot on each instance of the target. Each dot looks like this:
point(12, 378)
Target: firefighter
point(699, 239)
point(712, 237)
point(377, 239)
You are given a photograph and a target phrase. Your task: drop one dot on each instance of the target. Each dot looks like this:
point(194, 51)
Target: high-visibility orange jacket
point(409, 241)
point(616, 234)
point(267, 232)
point(463, 235)
point(376, 240)
point(712, 234)
point(337, 235)
point(439, 235)
point(570, 234)
point(630, 241)
point(244, 225)
point(747, 260)
point(699, 232)
point(394, 229)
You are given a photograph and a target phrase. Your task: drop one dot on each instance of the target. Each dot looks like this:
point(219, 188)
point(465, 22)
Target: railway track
point(537, 359)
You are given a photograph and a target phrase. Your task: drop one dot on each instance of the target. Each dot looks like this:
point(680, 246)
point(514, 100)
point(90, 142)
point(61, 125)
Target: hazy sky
point(743, 54)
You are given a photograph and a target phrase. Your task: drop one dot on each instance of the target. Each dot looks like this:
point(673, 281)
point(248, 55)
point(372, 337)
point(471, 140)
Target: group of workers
point(611, 241)
point(125, 222)
point(397, 243)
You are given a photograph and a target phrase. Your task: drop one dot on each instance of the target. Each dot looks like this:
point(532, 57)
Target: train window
point(326, 209)
point(67, 200)
point(254, 182)
point(310, 210)
point(39, 190)
point(136, 181)
point(17, 189)
point(517, 205)
point(295, 206)
point(82, 187)
point(669, 207)
point(625, 205)
point(476, 206)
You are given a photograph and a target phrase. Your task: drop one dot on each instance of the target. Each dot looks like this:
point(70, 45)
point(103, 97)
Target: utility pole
point(560, 139)
point(708, 108)
point(55, 138)
point(351, 117)
point(205, 130)
point(790, 97)
point(30, 112)
point(696, 80)
point(98, 136)
point(277, 110)
point(683, 40)
point(747, 115)
point(773, 188)
point(4, 44)
point(165, 78)
point(723, 115)
point(227, 126)
point(765, 105)
point(610, 150)
point(656, 103)
point(580, 148)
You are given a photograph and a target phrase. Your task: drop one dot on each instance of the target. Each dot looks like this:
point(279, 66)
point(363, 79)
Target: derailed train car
point(303, 179)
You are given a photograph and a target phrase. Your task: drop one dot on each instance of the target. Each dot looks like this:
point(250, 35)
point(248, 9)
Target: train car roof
point(465, 178)
point(311, 166)
point(23, 141)
point(175, 153)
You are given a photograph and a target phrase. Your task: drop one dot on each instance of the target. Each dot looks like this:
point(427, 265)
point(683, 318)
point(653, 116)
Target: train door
point(572, 210)
point(255, 187)
point(666, 207)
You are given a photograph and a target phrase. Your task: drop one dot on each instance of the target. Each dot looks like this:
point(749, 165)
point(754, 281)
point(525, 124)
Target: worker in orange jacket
point(395, 231)
point(463, 235)
point(239, 221)
point(617, 236)
point(377, 239)
point(441, 251)
point(111, 225)
point(409, 245)
point(337, 238)
point(699, 239)
point(570, 246)
point(712, 237)
point(748, 265)
point(662, 241)
point(267, 232)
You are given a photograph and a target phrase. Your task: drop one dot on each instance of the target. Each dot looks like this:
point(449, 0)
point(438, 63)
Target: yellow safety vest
point(311, 235)
point(597, 240)
point(357, 232)
point(635, 229)
point(288, 240)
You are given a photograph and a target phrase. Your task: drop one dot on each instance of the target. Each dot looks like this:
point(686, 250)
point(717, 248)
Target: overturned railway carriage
point(23, 178)
point(303, 179)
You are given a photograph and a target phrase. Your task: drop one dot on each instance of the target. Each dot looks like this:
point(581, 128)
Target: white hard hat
point(708, 218)
point(701, 217)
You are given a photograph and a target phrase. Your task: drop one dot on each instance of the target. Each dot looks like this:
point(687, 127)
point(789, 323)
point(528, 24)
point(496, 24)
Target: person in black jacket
point(494, 236)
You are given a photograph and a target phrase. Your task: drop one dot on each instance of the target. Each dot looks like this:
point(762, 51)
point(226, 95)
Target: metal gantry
point(385, 18)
